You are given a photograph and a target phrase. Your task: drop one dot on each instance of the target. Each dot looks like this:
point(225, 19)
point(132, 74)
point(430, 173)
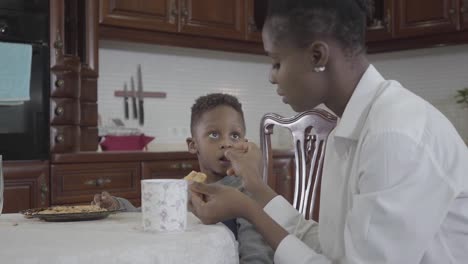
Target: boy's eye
point(214, 135)
point(276, 66)
point(235, 136)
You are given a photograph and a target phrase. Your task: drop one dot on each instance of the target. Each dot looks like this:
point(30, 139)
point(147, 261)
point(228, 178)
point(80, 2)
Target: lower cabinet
point(176, 169)
point(26, 185)
point(283, 172)
point(78, 183)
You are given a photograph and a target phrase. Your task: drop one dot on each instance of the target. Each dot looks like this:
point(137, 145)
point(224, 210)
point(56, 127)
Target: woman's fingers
point(202, 188)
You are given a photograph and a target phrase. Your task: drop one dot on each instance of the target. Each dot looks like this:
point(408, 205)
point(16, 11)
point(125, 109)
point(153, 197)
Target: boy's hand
point(246, 162)
point(214, 203)
point(105, 200)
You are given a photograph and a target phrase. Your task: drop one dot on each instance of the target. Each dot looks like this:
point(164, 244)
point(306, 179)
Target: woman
point(394, 182)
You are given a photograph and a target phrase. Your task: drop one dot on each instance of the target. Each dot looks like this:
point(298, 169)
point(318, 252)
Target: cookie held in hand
point(196, 177)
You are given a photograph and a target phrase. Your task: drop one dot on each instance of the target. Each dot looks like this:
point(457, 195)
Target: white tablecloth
point(117, 239)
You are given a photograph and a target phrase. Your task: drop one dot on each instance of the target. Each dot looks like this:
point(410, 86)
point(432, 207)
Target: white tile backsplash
point(185, 74)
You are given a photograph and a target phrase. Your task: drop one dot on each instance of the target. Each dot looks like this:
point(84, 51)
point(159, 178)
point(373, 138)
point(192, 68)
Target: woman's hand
point(246, 162)
point(214, 203)
point(105, 200)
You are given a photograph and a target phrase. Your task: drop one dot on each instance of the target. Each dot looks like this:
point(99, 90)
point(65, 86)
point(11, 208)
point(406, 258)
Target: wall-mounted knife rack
point(121, 93)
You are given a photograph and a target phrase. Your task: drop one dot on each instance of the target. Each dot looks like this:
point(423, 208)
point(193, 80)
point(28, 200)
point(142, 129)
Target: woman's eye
point(213, 135)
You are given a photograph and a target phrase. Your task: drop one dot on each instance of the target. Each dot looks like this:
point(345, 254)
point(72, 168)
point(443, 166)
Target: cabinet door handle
point(451, 11)
point(181, 165)
point(59, 139)
point(175, 166)
point(3, 28)
point(98, 182)
point(185, 13)
point(388, 21)
point(44, 191)
point(186, 166)
point(59, 110)
point(59, 83)
point(252, 26)
point(173, 12)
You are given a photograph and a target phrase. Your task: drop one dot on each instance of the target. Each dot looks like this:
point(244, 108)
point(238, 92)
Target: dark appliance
point(24, 129)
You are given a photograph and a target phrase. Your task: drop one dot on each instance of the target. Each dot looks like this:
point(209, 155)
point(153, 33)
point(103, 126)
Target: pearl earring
point(319, 69)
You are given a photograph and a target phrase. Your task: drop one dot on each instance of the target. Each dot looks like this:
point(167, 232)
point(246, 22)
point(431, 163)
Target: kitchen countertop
point(129, 156)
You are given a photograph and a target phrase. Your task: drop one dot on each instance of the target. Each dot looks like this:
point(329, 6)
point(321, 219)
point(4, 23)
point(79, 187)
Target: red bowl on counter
point(132, 142)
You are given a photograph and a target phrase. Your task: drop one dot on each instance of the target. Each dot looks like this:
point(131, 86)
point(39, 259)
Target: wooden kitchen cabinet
point(78, 183)
point(424, 17)
point(161, 15)
point(176, 169)
point(464, 14)
point(213, 18)
point(26, 185)
point(283, 174)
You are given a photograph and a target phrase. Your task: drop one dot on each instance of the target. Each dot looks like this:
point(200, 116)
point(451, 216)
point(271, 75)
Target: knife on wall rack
point(126, 101)
point(134, 104)
point(141, 111)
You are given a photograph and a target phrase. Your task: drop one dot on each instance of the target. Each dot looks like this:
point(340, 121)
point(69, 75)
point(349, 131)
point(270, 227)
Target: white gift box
point(164, 204)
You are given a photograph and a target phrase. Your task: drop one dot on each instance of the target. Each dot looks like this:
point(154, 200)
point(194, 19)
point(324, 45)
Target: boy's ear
point(191, 146)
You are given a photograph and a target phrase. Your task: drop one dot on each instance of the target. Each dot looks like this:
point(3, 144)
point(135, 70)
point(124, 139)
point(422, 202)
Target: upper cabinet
point(213, 18)
point(161, 15)
point(423, 17)
point(236, 25)
point(209, 24)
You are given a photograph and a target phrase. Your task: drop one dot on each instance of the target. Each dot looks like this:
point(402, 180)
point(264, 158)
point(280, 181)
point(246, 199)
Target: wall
point(185, 74)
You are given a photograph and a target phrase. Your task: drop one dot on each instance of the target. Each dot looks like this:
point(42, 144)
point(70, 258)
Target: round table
point(117, 239)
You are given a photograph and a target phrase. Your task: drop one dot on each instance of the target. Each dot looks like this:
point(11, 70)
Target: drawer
point(89, 114)
point(78, 183)
point(64, 111)
point(66, 77)
point(64, 139)
point(168, 169)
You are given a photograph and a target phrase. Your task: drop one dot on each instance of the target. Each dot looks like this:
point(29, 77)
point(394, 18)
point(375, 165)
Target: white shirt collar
point(356, 111)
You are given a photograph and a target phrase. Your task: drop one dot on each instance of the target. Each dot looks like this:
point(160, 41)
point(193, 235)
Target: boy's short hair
point(210, 101)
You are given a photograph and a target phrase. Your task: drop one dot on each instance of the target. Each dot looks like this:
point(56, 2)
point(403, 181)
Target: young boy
point(216, 124)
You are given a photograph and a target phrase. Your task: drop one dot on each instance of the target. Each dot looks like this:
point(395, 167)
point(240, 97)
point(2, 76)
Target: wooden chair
point(309, 131)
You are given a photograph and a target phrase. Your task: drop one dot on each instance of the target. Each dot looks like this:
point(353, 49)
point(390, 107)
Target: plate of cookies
point(65, 213)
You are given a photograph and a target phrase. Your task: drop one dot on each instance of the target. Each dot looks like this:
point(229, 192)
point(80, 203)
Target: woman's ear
point(191, 146)
point(318, 53)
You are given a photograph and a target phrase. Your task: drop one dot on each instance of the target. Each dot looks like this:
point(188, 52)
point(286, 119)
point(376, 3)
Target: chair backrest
point(309, 131)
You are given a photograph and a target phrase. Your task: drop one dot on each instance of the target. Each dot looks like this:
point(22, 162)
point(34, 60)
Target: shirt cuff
point(293, 250)
point(280, 210)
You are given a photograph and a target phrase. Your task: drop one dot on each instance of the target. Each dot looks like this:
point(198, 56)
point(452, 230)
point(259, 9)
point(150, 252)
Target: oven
point(24, 128)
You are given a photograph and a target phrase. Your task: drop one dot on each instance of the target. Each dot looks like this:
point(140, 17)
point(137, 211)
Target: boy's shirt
point(252, 247)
